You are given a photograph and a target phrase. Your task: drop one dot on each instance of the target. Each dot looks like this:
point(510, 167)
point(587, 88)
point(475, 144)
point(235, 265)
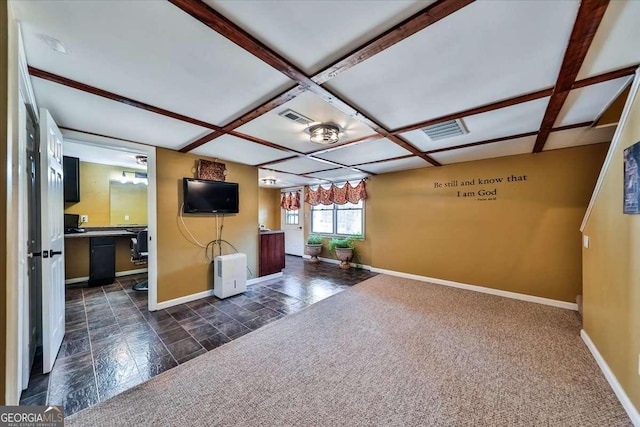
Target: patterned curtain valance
point(290, 201)
point(335, 194)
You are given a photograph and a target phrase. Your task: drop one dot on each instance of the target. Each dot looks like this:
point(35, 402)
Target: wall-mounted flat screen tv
point(202, 196)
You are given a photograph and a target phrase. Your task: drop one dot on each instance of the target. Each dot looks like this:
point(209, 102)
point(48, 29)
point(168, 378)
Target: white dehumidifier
point(229, 275)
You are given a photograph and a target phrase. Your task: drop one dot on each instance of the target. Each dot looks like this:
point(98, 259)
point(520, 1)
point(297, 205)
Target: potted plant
point(314, 246)
point(344, 249)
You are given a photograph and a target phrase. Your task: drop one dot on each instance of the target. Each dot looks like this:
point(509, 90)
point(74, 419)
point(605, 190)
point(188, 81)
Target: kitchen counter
point(271, 231)
point(99, 233)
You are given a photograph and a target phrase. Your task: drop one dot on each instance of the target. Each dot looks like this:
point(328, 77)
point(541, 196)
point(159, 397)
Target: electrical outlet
point(126, 217)
point(585, 241)
point(84, 218)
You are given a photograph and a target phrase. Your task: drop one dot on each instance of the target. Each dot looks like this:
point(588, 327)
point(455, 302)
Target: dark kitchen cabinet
point(102, 261)
point(271, 252)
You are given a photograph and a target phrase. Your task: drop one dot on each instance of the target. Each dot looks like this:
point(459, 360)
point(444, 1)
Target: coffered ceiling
point(213, 78)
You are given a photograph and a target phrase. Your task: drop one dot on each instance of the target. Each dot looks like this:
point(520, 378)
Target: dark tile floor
point(113, 342)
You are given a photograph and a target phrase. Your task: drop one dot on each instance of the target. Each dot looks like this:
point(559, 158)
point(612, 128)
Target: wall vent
point(445, 130)
point(296, 117)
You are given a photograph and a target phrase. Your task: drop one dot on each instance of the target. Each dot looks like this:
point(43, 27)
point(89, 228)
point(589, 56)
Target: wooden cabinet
point(271, 252)
point(71, 169)
point(102, 261)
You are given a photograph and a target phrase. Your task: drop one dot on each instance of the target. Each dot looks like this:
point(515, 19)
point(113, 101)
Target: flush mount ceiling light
point(269, 181)
point(324, 134)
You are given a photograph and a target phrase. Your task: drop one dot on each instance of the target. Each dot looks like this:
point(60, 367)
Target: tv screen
point(204, 196)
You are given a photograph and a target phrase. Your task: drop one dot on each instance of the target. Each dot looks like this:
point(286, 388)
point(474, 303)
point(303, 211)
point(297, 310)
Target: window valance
point(290, 201)
point(335, 194)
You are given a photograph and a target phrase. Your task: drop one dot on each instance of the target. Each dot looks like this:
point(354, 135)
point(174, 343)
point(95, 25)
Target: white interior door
point(291, 223)
point(52, 220)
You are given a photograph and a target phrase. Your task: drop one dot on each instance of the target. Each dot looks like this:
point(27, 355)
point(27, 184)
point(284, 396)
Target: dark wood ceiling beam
point(118, 98)
point(421, 20)
point(413, 150)
point(408, 27)
point(223, 26)
point(271, 104)
point(475, 144)
point(212, 19)
point(406, 156)
point(612, 75)
point(488, 141)
point(340, 165)
point(273, 162)
point(104, 136)
point(584, 30)
point(297, 174)
point(605, 77)
point(477, 110)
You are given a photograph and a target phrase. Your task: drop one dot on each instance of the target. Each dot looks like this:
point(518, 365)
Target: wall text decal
point(482, 194)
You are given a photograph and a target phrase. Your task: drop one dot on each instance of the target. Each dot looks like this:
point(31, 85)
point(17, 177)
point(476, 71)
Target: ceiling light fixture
point(269, 181)
point(141, 160)
point(324, 134)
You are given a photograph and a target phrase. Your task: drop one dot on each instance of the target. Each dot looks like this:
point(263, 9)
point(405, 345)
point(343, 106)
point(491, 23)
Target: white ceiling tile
point(514, 120)
point(498, 149)
point(616, 42)
point(239, 150)
point(290, 134)
point(338, 175)
point(363, 152)
point(300, 165)
point(79, 110)
point(585, 104)
point(314, 35)
point(487, 51)
point(285, 180)
point(150, 51)
point(579, 136)
point(397, 165)
point(92, 153)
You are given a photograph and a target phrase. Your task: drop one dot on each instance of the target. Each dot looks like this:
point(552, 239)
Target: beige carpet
point(391, 352)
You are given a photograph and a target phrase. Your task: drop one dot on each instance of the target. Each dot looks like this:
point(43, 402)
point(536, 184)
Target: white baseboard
point(336, 261)
point(264, 278)
point(184, 299)
point(484, 290)
point(118, 274)
point(209, 292)
point(628, 406)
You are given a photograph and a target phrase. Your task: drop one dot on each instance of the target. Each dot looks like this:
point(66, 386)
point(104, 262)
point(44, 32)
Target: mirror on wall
point(127, 203)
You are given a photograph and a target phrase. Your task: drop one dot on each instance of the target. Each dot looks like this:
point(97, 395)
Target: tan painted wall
point(269, 208)
point(95, 194)
point(182, 266)
point(525, 241)
point(76, 260)
point(611, 271)
point(4, 134)
point(127, 200)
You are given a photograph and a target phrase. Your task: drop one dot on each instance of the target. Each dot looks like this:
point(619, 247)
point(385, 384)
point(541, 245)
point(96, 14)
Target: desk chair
point(139, 255)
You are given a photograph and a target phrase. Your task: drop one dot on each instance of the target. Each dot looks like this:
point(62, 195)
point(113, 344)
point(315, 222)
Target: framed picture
point(632, 179)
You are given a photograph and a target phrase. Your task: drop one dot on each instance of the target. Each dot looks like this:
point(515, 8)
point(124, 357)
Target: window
point(292, 217)
point(347, 219)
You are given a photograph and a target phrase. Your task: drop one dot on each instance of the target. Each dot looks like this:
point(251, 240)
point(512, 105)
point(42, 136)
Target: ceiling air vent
point(296, 117)
point(445, 130)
